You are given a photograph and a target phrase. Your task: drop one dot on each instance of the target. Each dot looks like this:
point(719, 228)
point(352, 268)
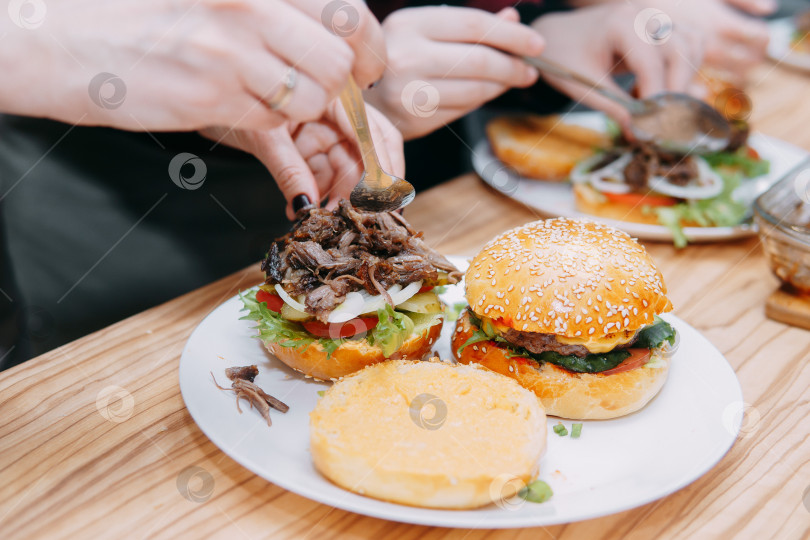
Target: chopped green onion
point(321, 392)
point(536, 492)
point(560, 430)
point(576, 431)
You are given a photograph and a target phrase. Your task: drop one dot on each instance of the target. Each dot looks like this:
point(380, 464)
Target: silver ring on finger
point(284, 94)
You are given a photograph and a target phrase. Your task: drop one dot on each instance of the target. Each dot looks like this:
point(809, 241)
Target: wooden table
point(69, 471)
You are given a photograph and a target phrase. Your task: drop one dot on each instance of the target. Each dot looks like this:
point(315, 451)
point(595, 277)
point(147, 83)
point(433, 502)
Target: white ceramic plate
point(779, 46)
point(615, 465)
point(557, 198)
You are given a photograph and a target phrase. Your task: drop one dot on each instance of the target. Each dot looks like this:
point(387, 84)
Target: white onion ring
point(289, 299)
point(709, 184)
point(581, 175)
point(349, 309)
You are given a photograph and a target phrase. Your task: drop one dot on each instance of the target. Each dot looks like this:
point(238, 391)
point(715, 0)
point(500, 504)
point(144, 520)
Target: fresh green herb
point(452, 312)
point(321, 392)
point(751, 167)
point(560, 430)
point(655, 335)
point(576, 431)
point(536, 492)
point(590, 363)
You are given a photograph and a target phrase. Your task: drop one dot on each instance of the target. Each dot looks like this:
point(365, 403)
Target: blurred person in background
point(445, 61)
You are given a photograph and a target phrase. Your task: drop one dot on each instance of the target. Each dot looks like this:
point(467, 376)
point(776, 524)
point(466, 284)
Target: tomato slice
point(426, 288)
point(273, 301)
point(341, 330)
point(639, 199)
point(753, 154)
point(637, 358)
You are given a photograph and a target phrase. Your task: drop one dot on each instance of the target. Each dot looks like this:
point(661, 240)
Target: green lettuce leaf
point(392, 329)
point(273, 327)
point(590, 363)
point(750, 167)
point(655, 335)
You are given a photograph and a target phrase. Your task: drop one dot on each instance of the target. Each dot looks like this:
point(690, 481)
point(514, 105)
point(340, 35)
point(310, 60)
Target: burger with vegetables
point(642, 183)
point(569, 308)
point(346, 289)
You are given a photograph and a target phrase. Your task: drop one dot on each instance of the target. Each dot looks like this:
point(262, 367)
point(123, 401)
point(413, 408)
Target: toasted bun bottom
point(577, 396)
point(352, 355)
point(612, 210)
point(428, 434)
point(617, 211)
point(542, 147)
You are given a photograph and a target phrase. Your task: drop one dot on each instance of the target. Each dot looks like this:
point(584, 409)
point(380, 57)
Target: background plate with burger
point(642, 212)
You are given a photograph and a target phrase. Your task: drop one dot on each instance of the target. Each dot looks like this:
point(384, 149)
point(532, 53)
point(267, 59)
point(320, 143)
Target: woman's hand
point(604, 40)
point(446, 61)
point(185, 64)
point(318, 159)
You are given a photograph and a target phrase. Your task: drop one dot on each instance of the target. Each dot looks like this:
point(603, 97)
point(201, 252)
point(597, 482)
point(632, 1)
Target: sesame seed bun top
point(572, 278)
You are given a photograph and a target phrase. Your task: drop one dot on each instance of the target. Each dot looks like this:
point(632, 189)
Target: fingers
point(308, 98)
point(387, 139)
point(462, 61)
point(390, 139)
point(731, 57)
point(347, 170)
point(755, 7)
point(466, 94)
point(292, 174)
point(594, 100)
point(746, 30)
point(356, 26)
point(684, 55)
point(467, 25)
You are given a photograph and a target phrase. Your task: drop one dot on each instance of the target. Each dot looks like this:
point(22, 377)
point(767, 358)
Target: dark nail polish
point(299, 202)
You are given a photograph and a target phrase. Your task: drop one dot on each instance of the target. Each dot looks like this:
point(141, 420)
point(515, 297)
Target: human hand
point(603, 40)
point(185, 64)
point(755, 7)
point(454, 60)
point(734, 41)
point(318, 159)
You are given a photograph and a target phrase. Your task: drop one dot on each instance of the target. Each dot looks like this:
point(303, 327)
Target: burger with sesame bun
point(345, 289)
point(569, 308)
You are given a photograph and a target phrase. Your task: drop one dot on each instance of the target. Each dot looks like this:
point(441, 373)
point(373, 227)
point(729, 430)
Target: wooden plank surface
point(95, 440)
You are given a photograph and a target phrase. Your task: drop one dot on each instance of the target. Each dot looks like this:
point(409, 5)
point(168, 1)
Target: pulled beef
point(247, 373)
point(242, 386)
point(649, 160)
point(329, 254)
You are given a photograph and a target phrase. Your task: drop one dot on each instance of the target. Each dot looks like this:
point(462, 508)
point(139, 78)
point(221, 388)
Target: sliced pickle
point(426, 302)
point(292, 314)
